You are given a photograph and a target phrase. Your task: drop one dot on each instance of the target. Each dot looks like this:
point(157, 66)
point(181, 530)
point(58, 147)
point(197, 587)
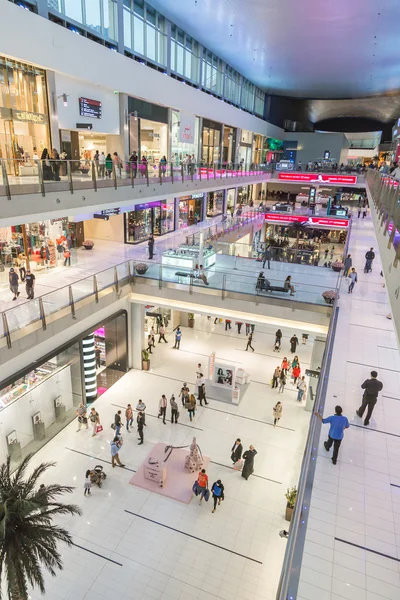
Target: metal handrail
point(290, 573)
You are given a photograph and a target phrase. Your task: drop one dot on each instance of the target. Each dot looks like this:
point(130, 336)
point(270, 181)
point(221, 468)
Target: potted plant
point(145, 360)
point(88, 244)
point(141, 268)
point(290, 496)
point(191, 320)
point(329, 296)
point(337, 266)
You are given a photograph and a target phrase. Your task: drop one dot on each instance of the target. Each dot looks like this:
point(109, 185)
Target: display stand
point(228, 382)
point(39, 431)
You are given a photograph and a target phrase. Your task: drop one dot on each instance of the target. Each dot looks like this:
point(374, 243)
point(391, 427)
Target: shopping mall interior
point(199, 270)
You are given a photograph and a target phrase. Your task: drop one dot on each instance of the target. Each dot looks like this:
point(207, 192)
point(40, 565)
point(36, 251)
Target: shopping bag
point(99, 428)
point(195, 488)
point(206, 495)
point(238, 466)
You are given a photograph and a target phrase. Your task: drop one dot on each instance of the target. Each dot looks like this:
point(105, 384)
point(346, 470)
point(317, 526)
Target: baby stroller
point(97, 475)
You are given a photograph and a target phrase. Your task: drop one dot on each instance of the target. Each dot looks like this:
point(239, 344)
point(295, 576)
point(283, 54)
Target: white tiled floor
point(159, 563)
point(354, 500)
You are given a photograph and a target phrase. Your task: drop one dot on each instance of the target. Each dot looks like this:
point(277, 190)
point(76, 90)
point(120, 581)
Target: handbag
point(99, 428)
point(113, 426)
point(195, 488)
point(206, 495)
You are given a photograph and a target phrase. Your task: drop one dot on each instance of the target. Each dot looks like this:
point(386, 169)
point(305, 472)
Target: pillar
point(315, 365)
point(137, 334)
point(89, 368)
point(53, 109)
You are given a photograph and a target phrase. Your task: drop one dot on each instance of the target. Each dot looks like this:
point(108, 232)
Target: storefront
point(24, 116)
point(185, 129)
point(215, 203)
point(42, 242)
point(230, 200)
point(155, 218)
point(148, 131)
point(244, 194)
point(229, 146)
point(257, 149)
point(190, 210)
point(211, 142)
point(37, 403)
point(245, 152)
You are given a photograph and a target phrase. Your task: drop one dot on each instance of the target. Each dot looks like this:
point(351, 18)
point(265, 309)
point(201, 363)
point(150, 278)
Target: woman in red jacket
point(296, 373)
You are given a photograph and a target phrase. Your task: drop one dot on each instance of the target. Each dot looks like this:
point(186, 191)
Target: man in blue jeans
point(338, 423)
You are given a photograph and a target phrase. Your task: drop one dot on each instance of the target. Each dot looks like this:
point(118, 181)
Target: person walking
point(239, 325)
point(94, 419)
point(278, 338)
point(293, 343)
point(277, 412)
point(267, 257)
point(358, 212)
point(178, 337)
point(275, 377)
point(282, 382)
point(191, 406)
point(149, 344)
point(117, 160)
point(150, 244)
point(296, 373)
point(162, 408)
point(129, 417)
point(97, 351)
point(338, 423)
point(236, 451)
point(102, 165)
point(301, 389)
point(371, 388)
point(109, 165)
point(249, 340)
point(152, 335)
point(161, 332)
point(140, 420)
point(200, 388)
point(117, 423)
point(30, 284)
point(81, 414)
point(202, 484)
point(248, 466)
point(295, 362)
point(141, 407)
point(353, 280)
point(67, 257)
point(184, 394)
point(285, 365)
point(217, 491)
point(115, 447)
point(369, 256)
point(348, 262)
point(14, 282)
point(87, 485)
point(174, 409)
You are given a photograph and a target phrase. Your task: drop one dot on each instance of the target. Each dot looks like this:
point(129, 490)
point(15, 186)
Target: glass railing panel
point(105, 278)
point(56, 300)
point(23, 176)
point(23, 315)
point(82, 289)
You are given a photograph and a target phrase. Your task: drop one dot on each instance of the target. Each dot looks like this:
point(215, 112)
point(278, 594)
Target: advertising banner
point(312, 221)
point(318, 178)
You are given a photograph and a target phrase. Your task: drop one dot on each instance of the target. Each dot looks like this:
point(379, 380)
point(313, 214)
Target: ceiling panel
point(314, 49)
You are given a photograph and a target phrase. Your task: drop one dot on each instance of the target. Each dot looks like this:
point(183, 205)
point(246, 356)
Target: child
point(88, 484)
point(277, 412)
point(277, 347)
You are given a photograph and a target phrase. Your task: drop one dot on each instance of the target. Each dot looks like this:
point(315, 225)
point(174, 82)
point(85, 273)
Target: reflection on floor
point(140, 545)
point(106, 377)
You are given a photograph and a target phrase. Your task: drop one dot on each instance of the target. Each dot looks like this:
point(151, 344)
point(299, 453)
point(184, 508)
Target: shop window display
point(24, 121)
point(37, 405)
point(155, 218)
point(190, 210)
point(215, 203)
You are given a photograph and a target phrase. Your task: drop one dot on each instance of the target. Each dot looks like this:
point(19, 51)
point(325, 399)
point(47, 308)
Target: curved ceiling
point(308, 49)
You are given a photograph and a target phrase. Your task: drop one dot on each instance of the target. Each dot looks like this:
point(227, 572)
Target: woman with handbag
point(95, 421)
point(47, 171)
point(191, 406)
point(81, 414)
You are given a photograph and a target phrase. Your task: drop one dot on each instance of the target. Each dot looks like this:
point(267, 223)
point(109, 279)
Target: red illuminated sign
point(317, 177)
point(314, 221)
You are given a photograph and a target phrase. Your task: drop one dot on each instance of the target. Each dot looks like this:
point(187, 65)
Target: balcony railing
point(44, 176)
point(65, 300)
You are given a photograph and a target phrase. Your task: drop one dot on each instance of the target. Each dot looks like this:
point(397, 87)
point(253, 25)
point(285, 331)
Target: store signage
point(186, 127)
point(84, 126)
point(311, 195)
point(100, 216)
point(318, 178)
point(23, 116)
point(110, 211)
point(89, 108)
point(147, 205)
point(197, 195)
point(314, 221)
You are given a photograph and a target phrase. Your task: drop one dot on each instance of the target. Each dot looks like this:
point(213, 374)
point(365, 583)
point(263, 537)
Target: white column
point(316, 362)
point(137, 337)
point(89, 368)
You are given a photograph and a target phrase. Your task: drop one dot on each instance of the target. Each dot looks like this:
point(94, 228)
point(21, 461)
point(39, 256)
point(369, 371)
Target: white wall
point(28, 37)
point(68, 116)
point(311, 146)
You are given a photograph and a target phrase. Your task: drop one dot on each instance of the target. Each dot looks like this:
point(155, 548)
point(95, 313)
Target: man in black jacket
point(237, 450)
point(371, 388)
point(369, 256)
